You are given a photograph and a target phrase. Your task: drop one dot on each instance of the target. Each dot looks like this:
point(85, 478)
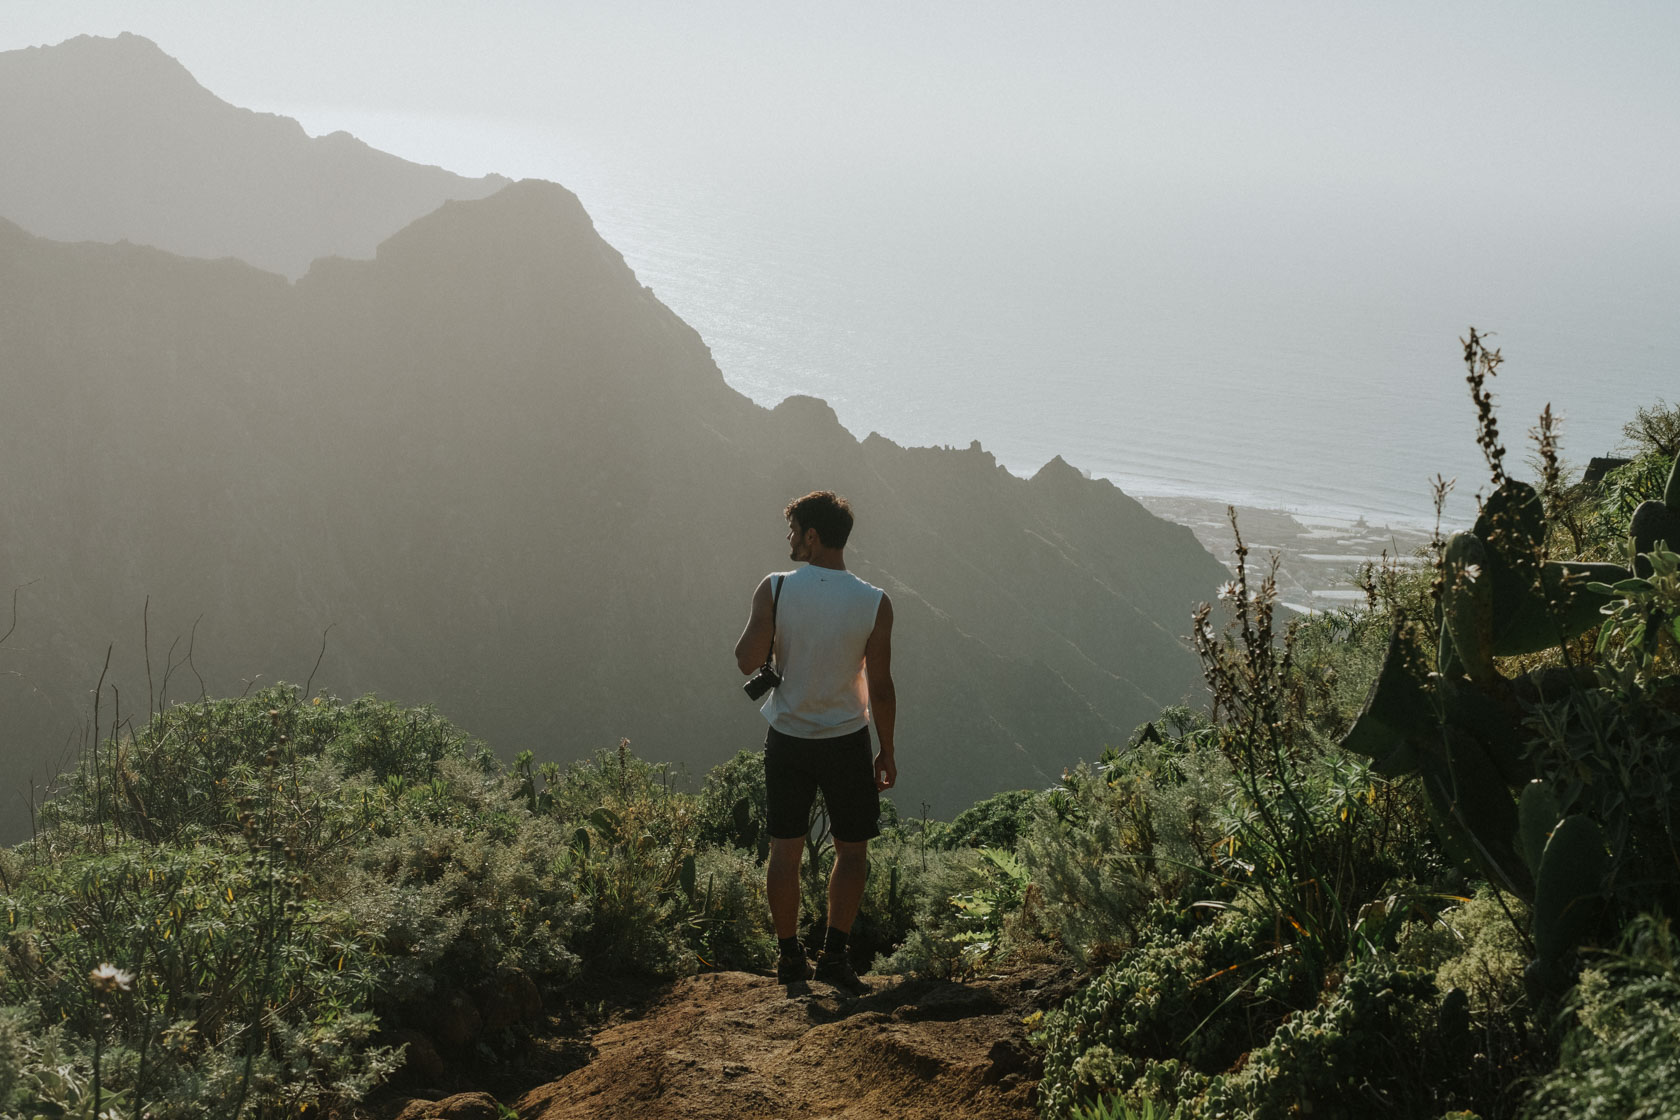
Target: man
point(832, 634)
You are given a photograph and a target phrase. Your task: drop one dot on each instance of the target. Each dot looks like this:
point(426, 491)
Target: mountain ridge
point(499, 475)
point(112, 139)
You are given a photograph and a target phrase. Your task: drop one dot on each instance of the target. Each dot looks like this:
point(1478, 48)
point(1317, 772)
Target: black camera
point(761, 682)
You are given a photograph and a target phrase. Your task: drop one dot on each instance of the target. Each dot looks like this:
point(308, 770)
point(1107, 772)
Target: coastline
point(1319, 557)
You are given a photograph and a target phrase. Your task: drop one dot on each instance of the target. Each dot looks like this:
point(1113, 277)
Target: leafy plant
point(1166, 1016)
point(1619, 1058)
point(996, 822)
point(1303, 825)
point(1118, 1108)
point(1374, 1043)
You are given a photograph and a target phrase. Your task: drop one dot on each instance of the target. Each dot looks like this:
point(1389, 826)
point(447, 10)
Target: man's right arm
point(753, 648)
point(883, 697)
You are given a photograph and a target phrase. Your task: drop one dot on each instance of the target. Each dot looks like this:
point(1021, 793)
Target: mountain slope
point(515, 484)
point(111, 139)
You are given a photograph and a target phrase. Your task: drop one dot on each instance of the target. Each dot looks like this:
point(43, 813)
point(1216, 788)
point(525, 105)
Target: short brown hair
point(826, 512)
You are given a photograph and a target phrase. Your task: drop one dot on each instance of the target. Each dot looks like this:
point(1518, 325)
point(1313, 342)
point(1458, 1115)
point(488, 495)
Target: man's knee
point(851, 852)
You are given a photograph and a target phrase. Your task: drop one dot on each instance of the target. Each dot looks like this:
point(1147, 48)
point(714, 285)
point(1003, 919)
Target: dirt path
point(734, 1045)
point(738, 1046)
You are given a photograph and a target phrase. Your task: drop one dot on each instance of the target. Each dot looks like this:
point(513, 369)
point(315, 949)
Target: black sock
point(790, 946)
point(836, 942)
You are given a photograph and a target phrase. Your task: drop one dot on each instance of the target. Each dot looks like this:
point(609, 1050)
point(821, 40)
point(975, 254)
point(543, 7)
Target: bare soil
point(737, 1046)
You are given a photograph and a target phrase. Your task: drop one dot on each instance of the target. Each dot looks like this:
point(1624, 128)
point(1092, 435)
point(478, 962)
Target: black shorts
point(842, 767)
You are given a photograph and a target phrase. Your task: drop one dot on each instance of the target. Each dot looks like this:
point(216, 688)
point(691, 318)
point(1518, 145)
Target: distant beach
point(1319, 558)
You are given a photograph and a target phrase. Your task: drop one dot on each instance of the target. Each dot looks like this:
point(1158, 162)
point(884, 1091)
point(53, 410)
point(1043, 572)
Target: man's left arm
point(883, 698)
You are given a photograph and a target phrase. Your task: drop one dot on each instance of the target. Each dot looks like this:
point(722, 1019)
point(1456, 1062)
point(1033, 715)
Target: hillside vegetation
point(1416, 860)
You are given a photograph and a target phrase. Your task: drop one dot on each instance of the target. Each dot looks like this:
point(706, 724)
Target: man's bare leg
point(781, 882)
point(845, 891)
point(845, 882)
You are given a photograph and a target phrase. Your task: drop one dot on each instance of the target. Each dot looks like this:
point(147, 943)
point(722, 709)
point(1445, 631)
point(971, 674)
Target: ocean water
point(1296, 349)
point(1321, 373)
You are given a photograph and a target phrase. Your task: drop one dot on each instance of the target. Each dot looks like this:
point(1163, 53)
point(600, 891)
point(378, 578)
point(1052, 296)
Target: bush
point(1115, 838)
point(1619, 1058)
point(996, 822)
point(729, 926)
point(1164, 1017)
point(733, 806)
point(955, 916)
point(1476, 947)
point(1372, 1044)
point(266, 875)
point(922, 924)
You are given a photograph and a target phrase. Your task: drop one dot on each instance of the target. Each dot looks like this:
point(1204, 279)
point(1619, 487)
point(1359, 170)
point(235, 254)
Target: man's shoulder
point(870, 586)
point(847, 576)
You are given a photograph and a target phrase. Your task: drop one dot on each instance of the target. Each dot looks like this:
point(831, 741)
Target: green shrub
point(14, 1040)
point(1371, 1045)
point(266, 985)
point(1168, 1014)
point(1619, 1060)
point(1115, 838)
point(1118, 1108)
point(270, 874)
point(919, 910)
point(451, 904)
point(996, 822)
point(627, 883)
point(733, 807)
point(204, 767)
point(1477, 947)
point(729, 916)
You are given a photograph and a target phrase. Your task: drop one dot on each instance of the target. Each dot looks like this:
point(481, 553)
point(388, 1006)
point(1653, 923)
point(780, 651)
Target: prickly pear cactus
point(1537, 815)
point(1500, 599)
point(1656, 522)
point(1568, 896)
point(1467, 608)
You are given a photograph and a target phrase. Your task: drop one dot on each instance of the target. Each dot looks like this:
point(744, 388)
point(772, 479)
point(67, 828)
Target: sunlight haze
point(1051, 209)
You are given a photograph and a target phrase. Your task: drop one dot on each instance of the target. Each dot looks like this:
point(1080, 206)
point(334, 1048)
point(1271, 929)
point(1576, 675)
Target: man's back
point(824, 617)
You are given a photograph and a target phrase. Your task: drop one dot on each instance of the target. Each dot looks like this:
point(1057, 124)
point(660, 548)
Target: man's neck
point(832, 558)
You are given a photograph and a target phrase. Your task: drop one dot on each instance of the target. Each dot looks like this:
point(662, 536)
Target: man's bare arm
point(883, 697)
point(754, 646)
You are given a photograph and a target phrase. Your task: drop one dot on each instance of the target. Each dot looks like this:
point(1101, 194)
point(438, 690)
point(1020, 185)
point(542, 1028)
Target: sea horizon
point(1172, 359)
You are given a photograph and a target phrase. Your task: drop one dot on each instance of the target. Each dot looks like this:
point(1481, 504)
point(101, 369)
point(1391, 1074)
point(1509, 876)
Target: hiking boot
point(836, 969)
point(792, 969)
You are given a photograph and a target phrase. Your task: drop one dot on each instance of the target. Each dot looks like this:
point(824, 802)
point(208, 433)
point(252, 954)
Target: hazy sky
point(1019, 207)
point(1461, 112)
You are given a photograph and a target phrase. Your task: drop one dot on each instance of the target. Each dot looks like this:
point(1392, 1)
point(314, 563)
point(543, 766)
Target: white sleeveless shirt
point(823, 621)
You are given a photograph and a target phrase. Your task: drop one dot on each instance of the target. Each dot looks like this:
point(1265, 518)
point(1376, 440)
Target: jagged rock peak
point(531, 203)
point(136, 49)
point(1059, 471)
point(94, 67)
point(113, 140)
point(528, 228)
point(808, 410)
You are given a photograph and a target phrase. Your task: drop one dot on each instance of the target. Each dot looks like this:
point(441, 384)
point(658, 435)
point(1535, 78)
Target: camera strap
point(775, 598)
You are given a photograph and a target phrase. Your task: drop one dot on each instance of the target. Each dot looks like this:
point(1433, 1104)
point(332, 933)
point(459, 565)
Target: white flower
point(109, 978)
point(1471, 572)
point(1228, 589)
